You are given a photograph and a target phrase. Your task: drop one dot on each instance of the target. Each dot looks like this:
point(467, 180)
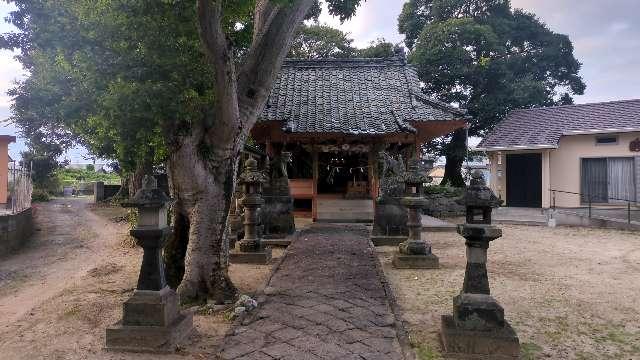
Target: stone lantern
point(152, 320)
point(478, 326)
point(415, 253)
point(250, 249)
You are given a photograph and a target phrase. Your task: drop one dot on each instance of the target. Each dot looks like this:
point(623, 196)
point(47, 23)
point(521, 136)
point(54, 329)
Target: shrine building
point(334, 116)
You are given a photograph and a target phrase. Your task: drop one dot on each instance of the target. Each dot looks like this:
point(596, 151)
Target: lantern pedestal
point(251, 250)
point(499, 343)
point(478, 328)
point(151, 322)
point(415, 253)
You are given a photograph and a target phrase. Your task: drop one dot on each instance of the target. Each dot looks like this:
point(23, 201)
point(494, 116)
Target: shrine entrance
point(345, 175)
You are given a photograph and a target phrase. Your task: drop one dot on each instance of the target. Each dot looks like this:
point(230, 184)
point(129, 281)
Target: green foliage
point(40, 195)
point(489, 59)
point(114, 76)
point(321, 42)
point(43, 164)
point(377, 49)
point(73, 177)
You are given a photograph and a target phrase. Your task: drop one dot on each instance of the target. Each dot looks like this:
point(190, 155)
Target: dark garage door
point(524, 180)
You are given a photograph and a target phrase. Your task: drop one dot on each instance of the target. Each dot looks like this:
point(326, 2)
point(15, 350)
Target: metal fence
point(593, 207)
point(20, 187)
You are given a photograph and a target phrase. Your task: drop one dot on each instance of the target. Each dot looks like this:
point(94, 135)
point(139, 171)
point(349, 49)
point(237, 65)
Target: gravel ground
point(570, 293)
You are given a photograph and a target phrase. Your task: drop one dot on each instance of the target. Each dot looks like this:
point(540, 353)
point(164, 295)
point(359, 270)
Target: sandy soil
point(570, 293)
point(59, 294)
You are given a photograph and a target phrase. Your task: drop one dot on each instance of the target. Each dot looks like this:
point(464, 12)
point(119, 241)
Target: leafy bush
point(40, 195)
point(73, 177)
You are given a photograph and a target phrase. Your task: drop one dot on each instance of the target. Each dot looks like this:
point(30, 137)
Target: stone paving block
point(383, 332)
point(358, 348)
point(287, 334)
point(338, 325)
point(330, 304)
point(354, 335)
point(384, 320)
point(329, 351)
point(236, 351)
point(380, 345)
point(341, 304)
point(257, 355)
point(280, 350)
point(323, 308)
point(317, 330)
point(266, 326)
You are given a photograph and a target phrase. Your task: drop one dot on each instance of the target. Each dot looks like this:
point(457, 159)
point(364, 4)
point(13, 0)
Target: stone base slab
point(387, 240)
point(155, 339)
point(260, 257)
point(501, 344)
point(151, 308)
point(401, 261)
point(283, 241)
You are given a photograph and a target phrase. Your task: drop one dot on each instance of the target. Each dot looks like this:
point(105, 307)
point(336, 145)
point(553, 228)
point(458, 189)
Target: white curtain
point(621, 179)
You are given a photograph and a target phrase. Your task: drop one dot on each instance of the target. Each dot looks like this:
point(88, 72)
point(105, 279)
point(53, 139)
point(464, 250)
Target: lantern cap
point(478, 194)
point(251, 174)
point(149, 195)
point(416, 172)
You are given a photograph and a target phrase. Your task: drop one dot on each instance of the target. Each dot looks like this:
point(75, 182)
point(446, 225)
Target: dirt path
point(326, 301)
point(69, 241)
point(59, 294)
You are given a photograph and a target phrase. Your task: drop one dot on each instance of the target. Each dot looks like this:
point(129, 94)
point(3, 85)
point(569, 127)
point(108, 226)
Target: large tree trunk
point(202, 165)
point(200, 188)
point(455, 152)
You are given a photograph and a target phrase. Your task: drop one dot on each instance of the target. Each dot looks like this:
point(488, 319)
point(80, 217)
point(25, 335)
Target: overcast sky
point(606, 36)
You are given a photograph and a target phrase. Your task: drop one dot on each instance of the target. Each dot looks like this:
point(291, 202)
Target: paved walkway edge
point(401, 331)
point(259, 296)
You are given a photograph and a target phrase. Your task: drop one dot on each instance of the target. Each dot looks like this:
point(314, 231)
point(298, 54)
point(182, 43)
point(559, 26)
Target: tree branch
point(272, 38)
point(217, 46)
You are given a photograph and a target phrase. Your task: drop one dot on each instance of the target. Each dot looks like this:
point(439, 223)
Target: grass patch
point(424, 351)
point(529, 351)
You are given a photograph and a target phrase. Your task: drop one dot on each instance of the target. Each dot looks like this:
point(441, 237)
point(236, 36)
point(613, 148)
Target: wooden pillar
point(373, 180)
point(314, 198)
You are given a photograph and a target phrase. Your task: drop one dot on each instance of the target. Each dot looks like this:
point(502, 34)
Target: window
point(606, 140)
point(608, 180)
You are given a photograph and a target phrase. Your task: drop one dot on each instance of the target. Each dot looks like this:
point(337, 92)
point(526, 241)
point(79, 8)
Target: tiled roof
point(352, 96)
point(543, 127)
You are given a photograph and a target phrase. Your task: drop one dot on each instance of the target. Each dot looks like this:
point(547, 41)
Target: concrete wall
point(561, 166)
point(566, 161)
point(15, 231)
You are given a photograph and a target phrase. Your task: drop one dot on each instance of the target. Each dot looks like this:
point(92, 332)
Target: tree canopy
point(489, 59)
point(318, 41)
point(172, 81)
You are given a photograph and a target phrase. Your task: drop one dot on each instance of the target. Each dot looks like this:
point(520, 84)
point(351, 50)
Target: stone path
point(326, 301)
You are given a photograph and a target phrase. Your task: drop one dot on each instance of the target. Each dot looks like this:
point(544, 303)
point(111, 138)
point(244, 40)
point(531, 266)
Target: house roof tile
point(543, 127)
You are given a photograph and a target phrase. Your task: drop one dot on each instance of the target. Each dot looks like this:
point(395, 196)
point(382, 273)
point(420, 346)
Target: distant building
point(575, 154)
point(5, 140)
